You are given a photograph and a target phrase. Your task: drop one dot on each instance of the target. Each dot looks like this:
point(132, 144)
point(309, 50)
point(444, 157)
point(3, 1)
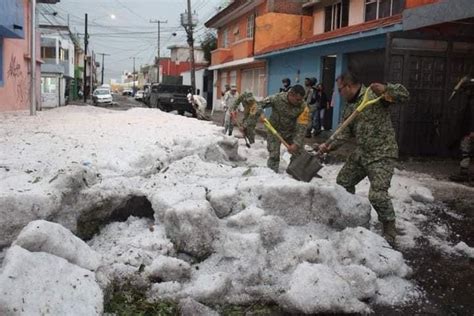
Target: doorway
point(328, 77)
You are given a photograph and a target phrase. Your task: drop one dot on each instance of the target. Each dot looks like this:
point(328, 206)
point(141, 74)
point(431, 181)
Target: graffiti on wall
point(20, 81)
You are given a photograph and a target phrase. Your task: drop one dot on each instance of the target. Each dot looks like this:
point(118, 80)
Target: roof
point(358, 28)
point(234, 10)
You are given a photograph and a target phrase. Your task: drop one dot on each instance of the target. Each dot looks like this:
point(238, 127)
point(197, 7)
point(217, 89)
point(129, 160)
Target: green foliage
point(208, 44)
point(126, 302)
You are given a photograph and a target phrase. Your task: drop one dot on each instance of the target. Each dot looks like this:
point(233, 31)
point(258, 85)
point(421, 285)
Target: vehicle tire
point(158, 105)
point(181, 112)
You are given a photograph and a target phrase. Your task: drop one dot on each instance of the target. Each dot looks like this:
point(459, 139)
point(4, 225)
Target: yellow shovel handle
point(365, 103)
point(272, 130)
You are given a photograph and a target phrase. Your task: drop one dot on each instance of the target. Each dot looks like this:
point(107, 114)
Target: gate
point(429, 68)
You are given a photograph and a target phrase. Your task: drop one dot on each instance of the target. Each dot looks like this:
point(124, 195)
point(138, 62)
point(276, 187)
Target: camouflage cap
point(247, 96)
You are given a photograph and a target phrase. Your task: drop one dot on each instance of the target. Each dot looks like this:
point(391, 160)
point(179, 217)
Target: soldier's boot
point(462, 176)
point(389, 232)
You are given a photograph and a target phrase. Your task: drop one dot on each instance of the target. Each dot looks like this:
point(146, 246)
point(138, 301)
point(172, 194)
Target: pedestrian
point(467, 125)
point(249, 121)
point(199, 105)
point(290, 116)
point(230, 112)
point(322, 105)
point(376, 148)
point(286, 82)
point(310, 99)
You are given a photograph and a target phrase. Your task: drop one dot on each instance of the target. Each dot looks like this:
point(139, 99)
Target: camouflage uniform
point(376, 150)
point(289, 120)
point(249, 122)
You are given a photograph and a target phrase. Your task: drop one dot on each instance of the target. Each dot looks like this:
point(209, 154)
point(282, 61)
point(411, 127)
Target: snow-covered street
point(218, 227)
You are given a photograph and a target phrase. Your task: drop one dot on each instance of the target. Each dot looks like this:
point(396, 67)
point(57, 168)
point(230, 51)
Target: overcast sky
point(130, 34)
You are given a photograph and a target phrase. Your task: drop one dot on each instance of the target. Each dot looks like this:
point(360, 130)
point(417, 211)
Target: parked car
point(127, 92)
point(169, 98)
point(139, 95)
point(102, 96)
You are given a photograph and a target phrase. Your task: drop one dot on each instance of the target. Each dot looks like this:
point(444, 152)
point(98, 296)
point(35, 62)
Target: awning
point(233, 63)
point(437, 13)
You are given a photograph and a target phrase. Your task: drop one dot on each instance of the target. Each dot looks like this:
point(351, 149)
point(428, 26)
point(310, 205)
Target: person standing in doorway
point(286, 85)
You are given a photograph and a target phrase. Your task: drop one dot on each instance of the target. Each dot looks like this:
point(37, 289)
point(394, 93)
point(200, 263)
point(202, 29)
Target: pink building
point(15, 59)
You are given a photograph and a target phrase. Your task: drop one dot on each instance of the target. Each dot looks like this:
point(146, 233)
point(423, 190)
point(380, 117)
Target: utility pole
point(33, 58)
point(133, 75)
point(158, 58)
point(188, 26)
point(102, 73)
point(86, 41)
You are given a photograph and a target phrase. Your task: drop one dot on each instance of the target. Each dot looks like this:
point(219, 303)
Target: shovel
point(305, 166)
point(247, 141)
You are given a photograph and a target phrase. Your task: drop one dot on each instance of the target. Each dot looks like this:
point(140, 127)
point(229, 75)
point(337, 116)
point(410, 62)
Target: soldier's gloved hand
point(324, 148)
point(378, 88)
point(292, 148)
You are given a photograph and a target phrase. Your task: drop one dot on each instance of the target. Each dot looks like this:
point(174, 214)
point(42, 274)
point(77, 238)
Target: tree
point(208, 44)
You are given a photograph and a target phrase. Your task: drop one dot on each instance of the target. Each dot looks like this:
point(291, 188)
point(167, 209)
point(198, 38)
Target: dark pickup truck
point(169, 98)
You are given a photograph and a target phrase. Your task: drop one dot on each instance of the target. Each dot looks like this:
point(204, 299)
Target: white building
point(57, 71)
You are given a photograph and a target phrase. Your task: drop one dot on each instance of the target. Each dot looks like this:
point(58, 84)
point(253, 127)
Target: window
point(225, 39)
point(223, 81)
point(250, 25)
point(1, 61)
point(253, 80)
point(378, 9)
point(336, 16)
point(48, 52)
point(233, 78)
point(63, 54)
point(49, 85)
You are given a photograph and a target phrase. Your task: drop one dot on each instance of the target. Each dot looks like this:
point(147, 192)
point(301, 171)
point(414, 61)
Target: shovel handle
point(272, 130)
point(365, 102)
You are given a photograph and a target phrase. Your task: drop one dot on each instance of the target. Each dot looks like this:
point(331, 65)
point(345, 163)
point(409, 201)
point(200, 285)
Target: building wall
point(181, 54)
point(306, 62)
point(276, 28)
point(284, 6)
point(14, 92)
point(416, 3)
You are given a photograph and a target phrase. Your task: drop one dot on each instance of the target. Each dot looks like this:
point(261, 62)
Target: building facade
point(244, 29)
point(57, 70)
point(15, 56)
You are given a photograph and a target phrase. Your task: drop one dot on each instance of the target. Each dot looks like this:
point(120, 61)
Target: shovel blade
point(304, 167)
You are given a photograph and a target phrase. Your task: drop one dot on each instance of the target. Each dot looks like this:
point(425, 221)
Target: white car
point(102, 96)
point(139, 95)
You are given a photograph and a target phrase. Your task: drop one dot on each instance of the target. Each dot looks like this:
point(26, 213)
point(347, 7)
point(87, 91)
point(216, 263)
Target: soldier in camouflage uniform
point(377, 149)
point(290, 116)
point(249, 121)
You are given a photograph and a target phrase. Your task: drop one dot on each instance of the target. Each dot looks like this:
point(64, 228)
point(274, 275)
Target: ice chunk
point(38, 283)
point(44, 236)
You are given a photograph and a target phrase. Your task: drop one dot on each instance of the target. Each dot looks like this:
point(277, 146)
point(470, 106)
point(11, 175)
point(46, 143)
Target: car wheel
point(181, 112)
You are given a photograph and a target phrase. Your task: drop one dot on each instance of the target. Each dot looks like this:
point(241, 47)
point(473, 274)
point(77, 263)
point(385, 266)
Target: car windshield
point(101, 92)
